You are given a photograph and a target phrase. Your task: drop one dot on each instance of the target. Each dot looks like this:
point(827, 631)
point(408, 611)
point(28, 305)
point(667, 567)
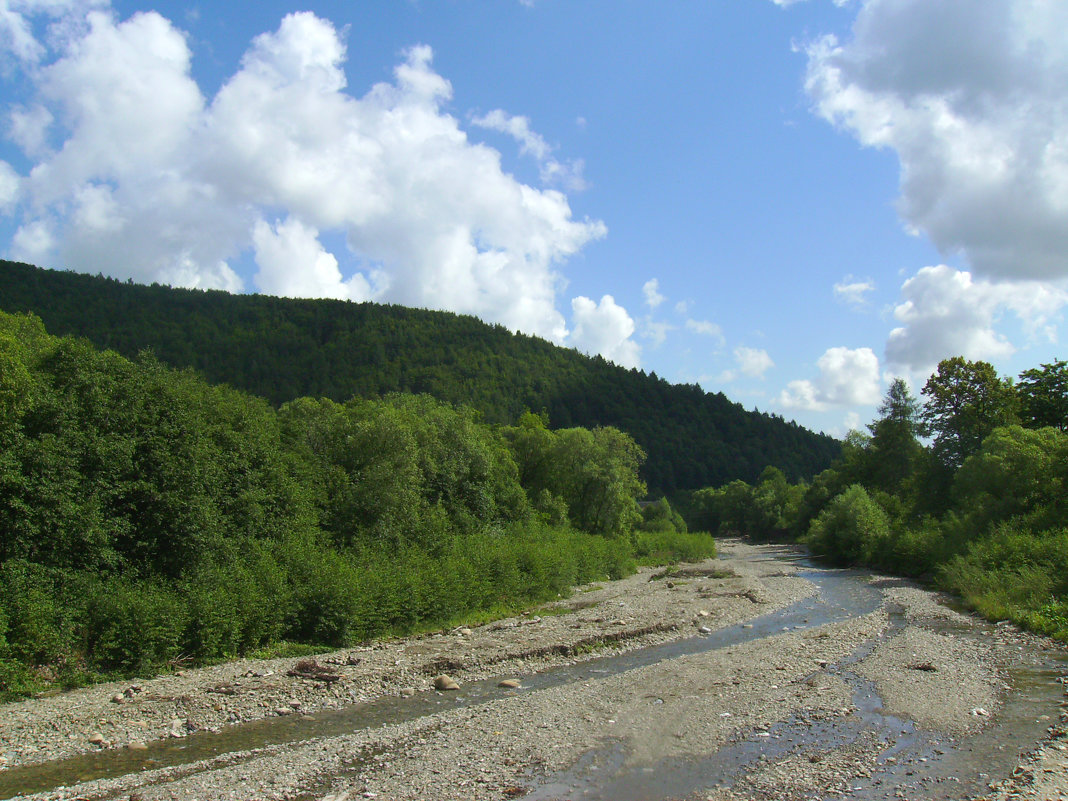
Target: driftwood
point(310, 669)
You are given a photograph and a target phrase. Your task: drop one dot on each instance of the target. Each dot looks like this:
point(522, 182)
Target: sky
point(789, 201)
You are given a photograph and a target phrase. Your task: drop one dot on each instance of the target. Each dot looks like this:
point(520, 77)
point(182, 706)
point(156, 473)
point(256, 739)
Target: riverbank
point(582, 733)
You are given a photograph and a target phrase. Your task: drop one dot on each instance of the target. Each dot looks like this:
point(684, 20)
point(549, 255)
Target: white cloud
point(28, 128)
point(970, 97)
point(848, 377)
point(32, 241)
point(651, 290)
point(293, 263)
point(180, 185)
point(9, 186)
point(708, 329)
point(946, 313)
point(853, 292)
point(753, 362)
point(604, 328)
point(551, 171)
point(656, 332)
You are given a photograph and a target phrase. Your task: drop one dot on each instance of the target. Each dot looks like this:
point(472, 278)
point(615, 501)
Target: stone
point(509, 684)
point(445, 682)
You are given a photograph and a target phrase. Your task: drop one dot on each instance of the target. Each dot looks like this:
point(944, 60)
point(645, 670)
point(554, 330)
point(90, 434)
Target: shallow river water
point(947, 768)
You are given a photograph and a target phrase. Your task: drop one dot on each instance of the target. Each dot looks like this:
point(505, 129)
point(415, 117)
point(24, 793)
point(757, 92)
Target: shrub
point(133, 628)
point(852, 529)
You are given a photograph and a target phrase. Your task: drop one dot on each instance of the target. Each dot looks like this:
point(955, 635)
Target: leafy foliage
point(283, 349)
point(148, 518)
point(983, 511)
point(966, 401)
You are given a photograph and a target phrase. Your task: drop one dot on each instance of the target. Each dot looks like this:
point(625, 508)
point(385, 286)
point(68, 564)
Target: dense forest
point(281, 349)
point(149, 519)
point(979, 505)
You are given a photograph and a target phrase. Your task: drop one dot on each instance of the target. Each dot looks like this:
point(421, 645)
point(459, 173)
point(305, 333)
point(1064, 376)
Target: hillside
point(282, 348)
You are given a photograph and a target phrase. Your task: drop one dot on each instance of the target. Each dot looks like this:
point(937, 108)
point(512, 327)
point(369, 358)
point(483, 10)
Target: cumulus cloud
point(945, 312)
point(137, 174)
point(293, 263)
point(970, 97)
point(651, 290)
point(753, 362)
point(604, 328)
point(853, 292)
point(847, 377)
point(551, 171)
point(9, 186)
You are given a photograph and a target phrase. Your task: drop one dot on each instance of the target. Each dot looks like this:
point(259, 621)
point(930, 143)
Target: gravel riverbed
point(646, 724)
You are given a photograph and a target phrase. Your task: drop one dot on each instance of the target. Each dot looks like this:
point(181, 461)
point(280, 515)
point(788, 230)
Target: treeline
point(150, 519)
point(281, 349)
point(982, 509)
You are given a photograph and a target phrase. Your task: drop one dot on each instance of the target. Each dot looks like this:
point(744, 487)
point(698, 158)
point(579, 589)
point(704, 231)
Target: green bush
point(662, 548)
point(133, 628)
point(852, 529)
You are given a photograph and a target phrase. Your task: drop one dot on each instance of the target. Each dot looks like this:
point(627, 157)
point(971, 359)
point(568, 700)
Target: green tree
point(965, 402)
point(852, 529)
point(1044, 396)
point(1018, 472)
point(895, 452)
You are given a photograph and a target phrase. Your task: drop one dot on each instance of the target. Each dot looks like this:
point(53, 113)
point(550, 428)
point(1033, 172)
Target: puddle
point(842, 594)
point(920, 763)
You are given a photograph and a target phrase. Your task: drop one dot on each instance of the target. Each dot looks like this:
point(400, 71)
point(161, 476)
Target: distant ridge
point(283, 348)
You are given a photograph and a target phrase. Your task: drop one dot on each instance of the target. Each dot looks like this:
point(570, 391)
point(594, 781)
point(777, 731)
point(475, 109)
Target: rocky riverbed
point(807, 708)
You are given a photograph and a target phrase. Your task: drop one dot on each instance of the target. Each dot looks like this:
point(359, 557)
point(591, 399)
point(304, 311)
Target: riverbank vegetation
point(150, 520)
point(285, 348)
point(967, 488)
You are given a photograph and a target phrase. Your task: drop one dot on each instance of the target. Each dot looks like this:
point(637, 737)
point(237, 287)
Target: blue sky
point(790, 202)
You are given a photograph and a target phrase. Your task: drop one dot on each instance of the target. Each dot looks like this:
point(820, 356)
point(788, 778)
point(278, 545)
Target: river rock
point(445, 682)
point(509, 684)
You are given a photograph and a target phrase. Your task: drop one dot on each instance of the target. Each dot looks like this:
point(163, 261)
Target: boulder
point(445, 682)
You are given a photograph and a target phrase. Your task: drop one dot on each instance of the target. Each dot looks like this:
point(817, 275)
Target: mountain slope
point(283, 348)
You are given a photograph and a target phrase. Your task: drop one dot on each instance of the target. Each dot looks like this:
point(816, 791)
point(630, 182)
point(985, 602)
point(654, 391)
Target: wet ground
point(816, 698)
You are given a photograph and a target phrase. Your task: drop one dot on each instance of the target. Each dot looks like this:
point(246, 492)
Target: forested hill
point(283, 349)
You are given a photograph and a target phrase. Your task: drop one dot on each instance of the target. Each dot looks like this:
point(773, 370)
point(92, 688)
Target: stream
point(931, 764)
